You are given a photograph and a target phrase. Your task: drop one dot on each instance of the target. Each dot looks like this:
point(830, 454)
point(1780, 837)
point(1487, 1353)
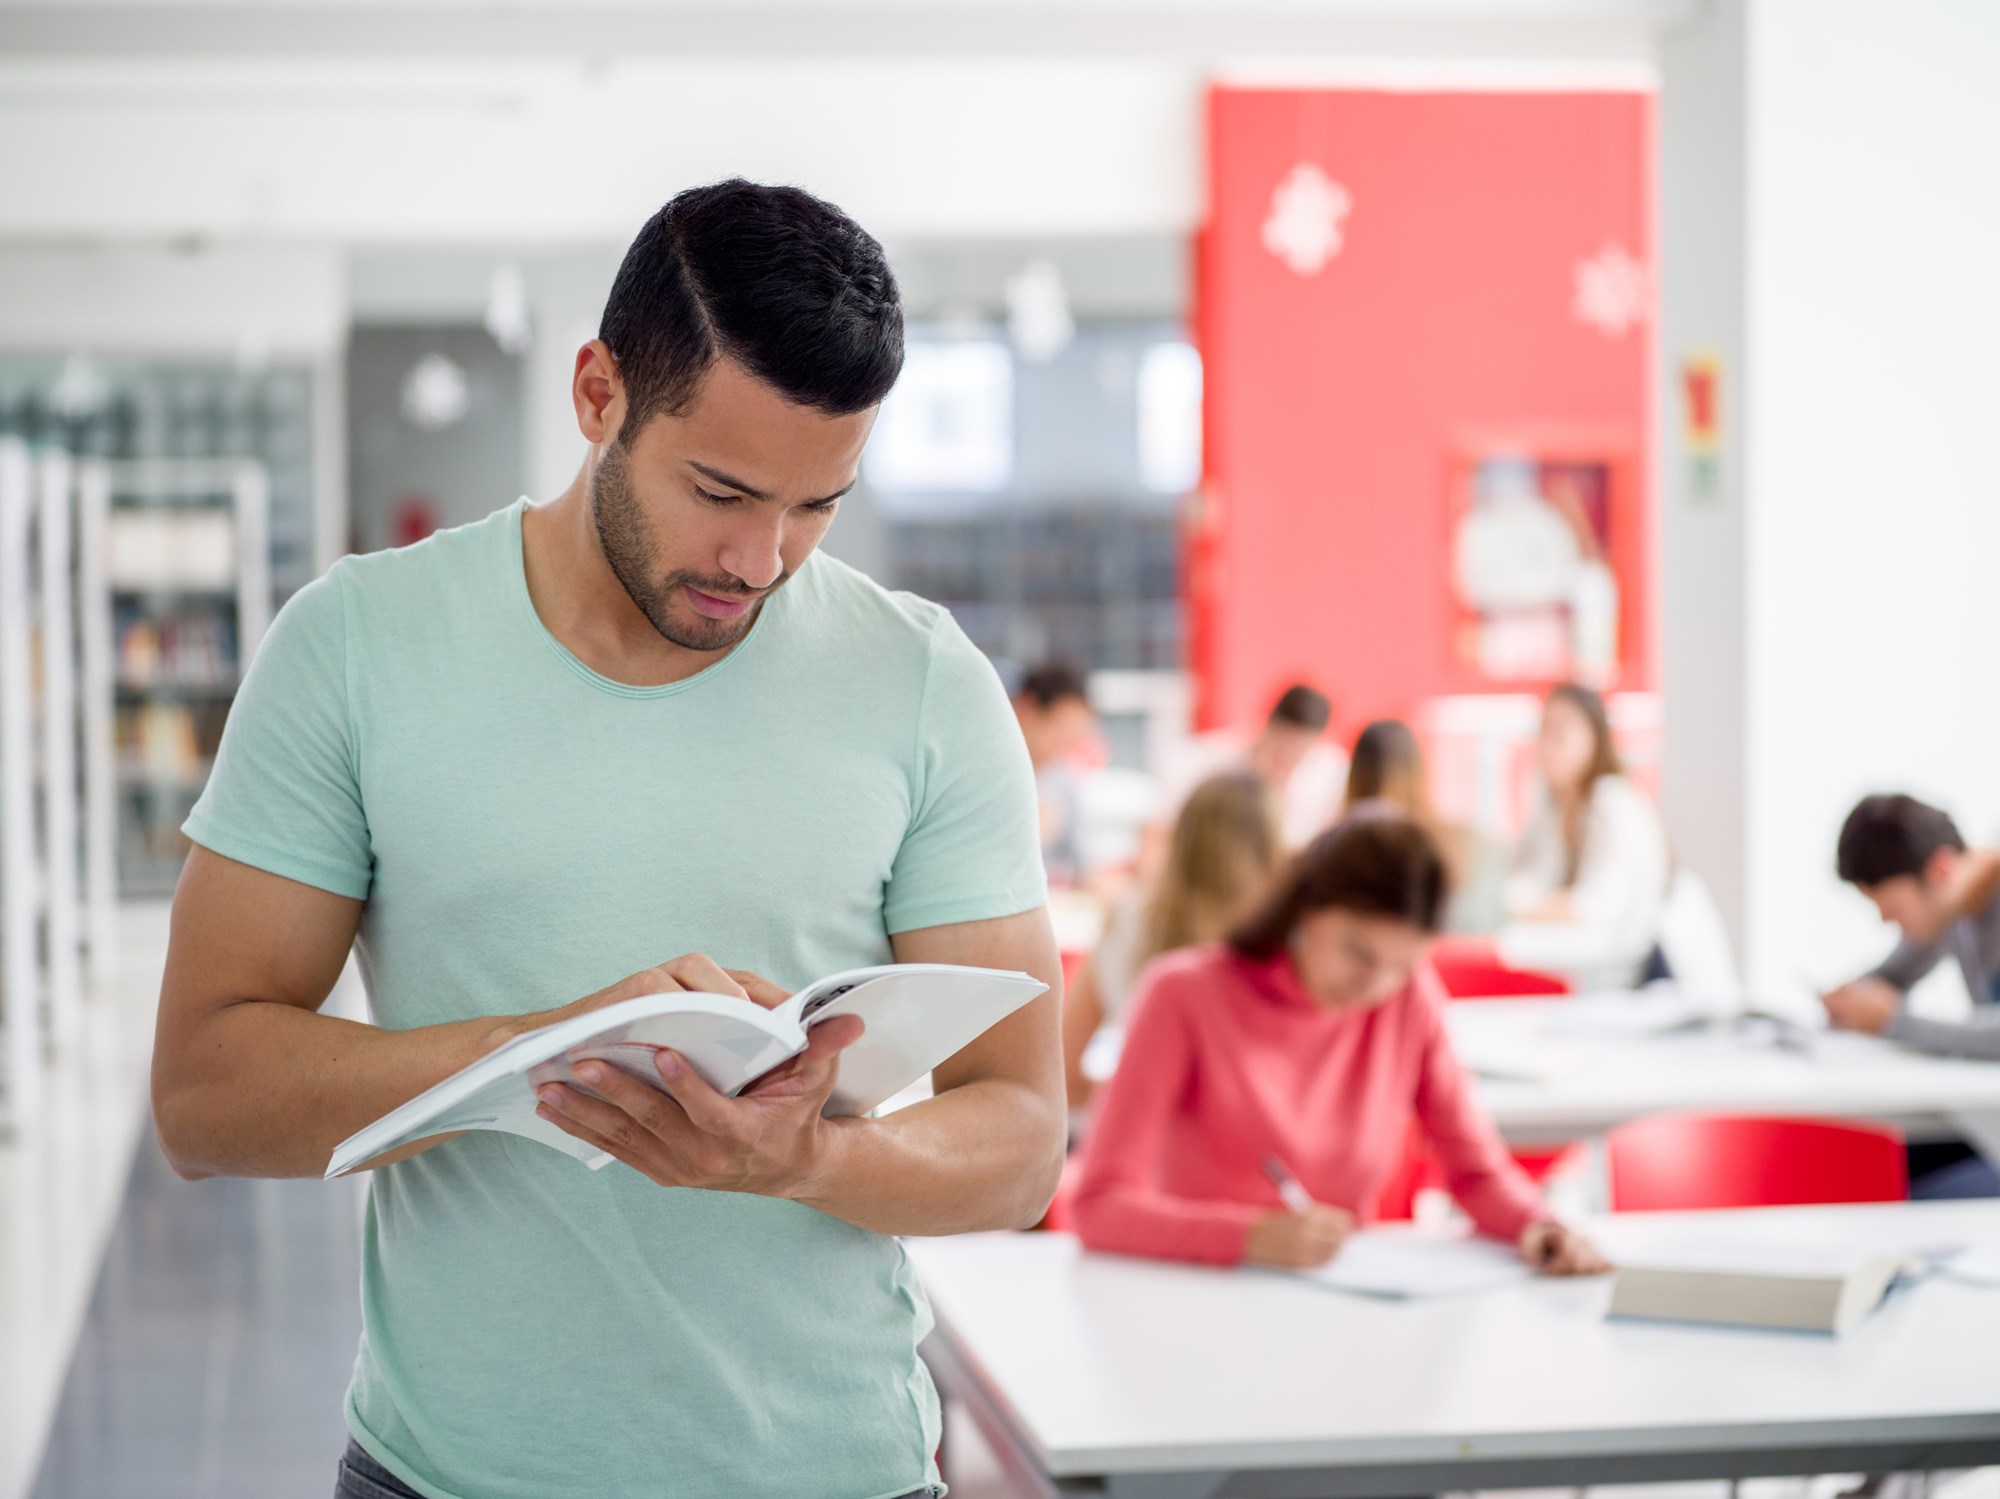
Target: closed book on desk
point(915, 1015)
point(1757, 1286)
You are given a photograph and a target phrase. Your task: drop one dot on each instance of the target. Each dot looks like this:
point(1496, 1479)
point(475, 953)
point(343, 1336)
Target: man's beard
point(628, 547)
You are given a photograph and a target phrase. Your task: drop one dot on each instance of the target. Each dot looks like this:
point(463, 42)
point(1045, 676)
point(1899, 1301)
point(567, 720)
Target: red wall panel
point(1342, 403)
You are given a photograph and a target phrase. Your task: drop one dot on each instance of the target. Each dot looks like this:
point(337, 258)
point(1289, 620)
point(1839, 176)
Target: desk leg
point(1165, 1485)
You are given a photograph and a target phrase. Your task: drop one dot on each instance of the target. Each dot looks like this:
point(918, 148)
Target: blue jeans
point(361, 1477)
point(1949, 1168)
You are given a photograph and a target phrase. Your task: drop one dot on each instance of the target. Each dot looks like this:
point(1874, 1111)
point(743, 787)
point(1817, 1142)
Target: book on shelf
point(915, 1016)
point(171, 548)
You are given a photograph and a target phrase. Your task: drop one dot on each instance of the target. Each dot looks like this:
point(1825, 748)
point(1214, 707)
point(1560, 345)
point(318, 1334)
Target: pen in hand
point(1291, 1191)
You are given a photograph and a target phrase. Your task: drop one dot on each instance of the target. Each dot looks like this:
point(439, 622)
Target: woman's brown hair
point(1376, 861)
point(1604, 762)
point(1227, 845)
point(1388, 765)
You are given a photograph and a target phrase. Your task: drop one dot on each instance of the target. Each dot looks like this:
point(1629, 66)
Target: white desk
point(1599, 1081)
point(1094, 1374)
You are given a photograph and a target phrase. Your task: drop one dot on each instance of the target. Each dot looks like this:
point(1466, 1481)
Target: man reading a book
point(640, 737)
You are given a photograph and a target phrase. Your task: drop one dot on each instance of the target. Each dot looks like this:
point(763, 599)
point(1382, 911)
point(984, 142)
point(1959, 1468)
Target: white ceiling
point(539, 122)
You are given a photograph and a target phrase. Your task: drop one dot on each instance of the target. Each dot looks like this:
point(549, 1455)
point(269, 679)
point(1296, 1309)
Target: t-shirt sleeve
point(973, 848)
point(285, 795)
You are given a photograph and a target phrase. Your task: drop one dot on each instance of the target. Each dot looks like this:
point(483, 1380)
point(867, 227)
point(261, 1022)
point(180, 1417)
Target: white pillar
point(55, 489)
point(20, 971)
point(96, 690)
point(1829, 231)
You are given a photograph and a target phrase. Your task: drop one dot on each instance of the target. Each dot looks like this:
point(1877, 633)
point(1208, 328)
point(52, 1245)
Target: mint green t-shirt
point(525, 831)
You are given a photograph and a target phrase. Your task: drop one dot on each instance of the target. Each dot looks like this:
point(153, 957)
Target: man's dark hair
point(1053, 682)
point(1888, 836)
point(1302, 707)
point(1374, 862)
point(783, 283)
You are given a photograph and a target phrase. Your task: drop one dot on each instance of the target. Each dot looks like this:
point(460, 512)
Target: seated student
point(1909, 859)
point(1226, 850)
point(1388, 766)
point(1290, 752)
point(1591, 873)
point(1945, 899)
point(1052, 705)
point(1313, 1037)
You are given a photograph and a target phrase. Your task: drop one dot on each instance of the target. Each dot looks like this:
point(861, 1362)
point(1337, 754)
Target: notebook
point(915, 1014)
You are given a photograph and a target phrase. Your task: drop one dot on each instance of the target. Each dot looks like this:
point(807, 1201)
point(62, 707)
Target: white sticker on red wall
point(1303, 228)
point(1610, 290)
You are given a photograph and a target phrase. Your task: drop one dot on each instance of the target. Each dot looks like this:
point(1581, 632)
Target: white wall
point(1860, 551)
point(1874, 241)
point(147, 299)
point(1703, 667)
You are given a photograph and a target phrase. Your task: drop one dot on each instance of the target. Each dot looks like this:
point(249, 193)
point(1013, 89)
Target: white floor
point(61, 1185)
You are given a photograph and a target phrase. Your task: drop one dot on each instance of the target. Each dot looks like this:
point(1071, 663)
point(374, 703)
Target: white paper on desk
point(1514, 1059)
point(1978, 1265)
point(1619, 1017)
point(1407, 1266)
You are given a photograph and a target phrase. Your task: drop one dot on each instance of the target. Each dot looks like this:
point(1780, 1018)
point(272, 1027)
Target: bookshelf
point(186, 581)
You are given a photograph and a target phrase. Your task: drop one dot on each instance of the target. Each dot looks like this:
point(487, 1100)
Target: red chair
point(1061, 1216)
point(1471, 969)
point(1677, 1161)
point(1073, 960)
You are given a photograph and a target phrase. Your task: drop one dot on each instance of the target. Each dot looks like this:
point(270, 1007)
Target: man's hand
point(691, 972)
point(769, 1139)
point(1298, 1241)
point(1865, 1004)
point(1556, 1249)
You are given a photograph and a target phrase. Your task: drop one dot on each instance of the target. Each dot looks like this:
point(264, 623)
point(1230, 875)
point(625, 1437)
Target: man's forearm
point(1976, 1037)
point(268, 1089)
point(986, 1154)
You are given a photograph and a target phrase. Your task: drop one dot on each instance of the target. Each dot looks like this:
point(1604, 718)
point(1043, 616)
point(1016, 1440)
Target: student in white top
point(1227, 848)
point(1290, 753)
point(1590, 875)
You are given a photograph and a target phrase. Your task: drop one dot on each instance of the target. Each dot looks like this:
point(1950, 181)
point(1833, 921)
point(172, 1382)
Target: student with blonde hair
point(1226, 847)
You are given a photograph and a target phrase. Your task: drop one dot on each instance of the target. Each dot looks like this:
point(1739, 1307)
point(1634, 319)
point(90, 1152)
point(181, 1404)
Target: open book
point(916, 1015)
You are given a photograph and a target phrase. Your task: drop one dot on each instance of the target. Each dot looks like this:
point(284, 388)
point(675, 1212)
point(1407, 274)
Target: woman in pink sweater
point(1309, 1043)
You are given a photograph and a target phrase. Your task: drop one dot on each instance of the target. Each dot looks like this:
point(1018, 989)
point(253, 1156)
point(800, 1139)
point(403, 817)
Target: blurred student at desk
point(1909, 859)
point(1052, 706)
point(1227, 848)
point(1300, 1052)
point(1591, 874)
point(1388, 766)
point(1290, 753)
